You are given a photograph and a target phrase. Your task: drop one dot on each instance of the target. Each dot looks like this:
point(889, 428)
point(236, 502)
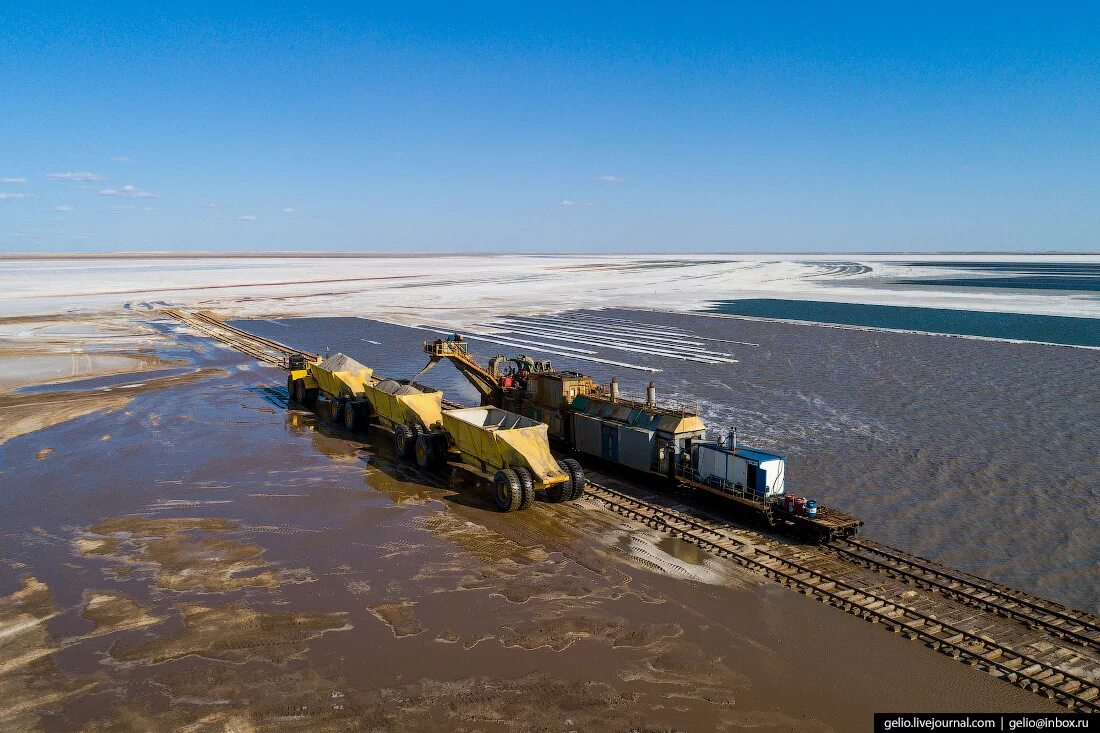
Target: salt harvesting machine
point(668, 444)
point(510, 451)
point(526, 405)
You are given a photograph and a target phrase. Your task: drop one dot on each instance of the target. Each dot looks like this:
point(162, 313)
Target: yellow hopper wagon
point(335, 379)
point(405, 408)
point(510, 451)
point(352, 394)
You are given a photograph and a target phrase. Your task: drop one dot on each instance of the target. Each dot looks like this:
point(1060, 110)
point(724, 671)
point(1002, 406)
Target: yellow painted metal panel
point(495, 439)
point(341, 376)
point(342, 384)
point(531, 447)
point(423, 408)
point(304, 374)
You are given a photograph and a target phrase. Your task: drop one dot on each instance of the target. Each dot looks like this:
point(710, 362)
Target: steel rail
point(970, 590)
point(1002, 660)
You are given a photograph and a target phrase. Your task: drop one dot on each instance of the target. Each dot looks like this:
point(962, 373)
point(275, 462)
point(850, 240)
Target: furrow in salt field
point(655, 329)
point(656, 332)
point(642, 346)
point(500, 333)
point(624, 322)
point(675, 339)
point(545, 349)
point(631, 326)
point(619, 346)
point(601, 329)
point(630, 346)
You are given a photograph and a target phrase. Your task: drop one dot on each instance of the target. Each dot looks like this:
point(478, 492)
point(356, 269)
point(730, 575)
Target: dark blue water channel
point(1067, 330)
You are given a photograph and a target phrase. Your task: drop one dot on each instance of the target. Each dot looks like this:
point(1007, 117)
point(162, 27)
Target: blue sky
point(549, 127)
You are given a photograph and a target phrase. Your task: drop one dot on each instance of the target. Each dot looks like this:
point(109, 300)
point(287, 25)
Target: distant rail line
point(266, 350)
point(861, 577)
point(1037, 613)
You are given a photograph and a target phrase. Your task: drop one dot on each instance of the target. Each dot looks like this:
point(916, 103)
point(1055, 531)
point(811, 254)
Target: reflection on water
point(681, 550)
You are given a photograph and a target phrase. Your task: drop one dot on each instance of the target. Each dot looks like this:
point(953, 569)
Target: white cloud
point(122, 159)
point(210, 206)
point(289, 210)
point(247, 217)
point(74, 176)
point(119, 209)
point(4, 196)
point(64, 207)
point(128, 191)
point(13, 180)
point(570, 203)
point(610, 179)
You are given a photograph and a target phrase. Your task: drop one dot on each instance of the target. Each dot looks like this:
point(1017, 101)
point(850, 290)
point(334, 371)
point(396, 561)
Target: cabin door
point(610, 435)
point(664, 457)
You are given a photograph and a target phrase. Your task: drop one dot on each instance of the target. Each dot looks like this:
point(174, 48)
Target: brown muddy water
point(204, 558)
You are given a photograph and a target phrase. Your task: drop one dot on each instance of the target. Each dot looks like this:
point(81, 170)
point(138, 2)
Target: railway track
point(843, 574)
point(1042, 672)
point(266, 350)
point(1037, 613)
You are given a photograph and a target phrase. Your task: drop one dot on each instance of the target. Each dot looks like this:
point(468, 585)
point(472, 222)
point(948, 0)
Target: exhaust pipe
point(614, 389)
point(651, 395)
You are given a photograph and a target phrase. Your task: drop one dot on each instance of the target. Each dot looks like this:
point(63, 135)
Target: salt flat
point(457, 290)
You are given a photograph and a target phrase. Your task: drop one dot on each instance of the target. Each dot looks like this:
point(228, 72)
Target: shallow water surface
point(1066, 330)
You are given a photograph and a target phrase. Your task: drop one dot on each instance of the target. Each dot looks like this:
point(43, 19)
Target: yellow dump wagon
point(337, 379)
point(406, 409)
point(353, 394)
point(510, 450)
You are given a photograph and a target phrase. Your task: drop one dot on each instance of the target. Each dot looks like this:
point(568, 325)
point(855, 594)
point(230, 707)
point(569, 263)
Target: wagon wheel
point(527, 483)
point(297, 390)
point(351, 421)
point(402, 441)
point(507, 490)
point(335, 410)
point(425, 451)
point(576, 478)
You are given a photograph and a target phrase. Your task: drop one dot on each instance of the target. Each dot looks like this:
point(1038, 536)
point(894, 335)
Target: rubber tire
point(335, 410)
point(424, 451)
point(528, 483)
point(576, 478)
point(311, 398)
point(291, 385)
point(507, 490)
point(351, 417)
point(402, 441)
point(297, 390)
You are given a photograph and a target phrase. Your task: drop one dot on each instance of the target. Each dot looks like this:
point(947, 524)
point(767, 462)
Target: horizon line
point(336, 254)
